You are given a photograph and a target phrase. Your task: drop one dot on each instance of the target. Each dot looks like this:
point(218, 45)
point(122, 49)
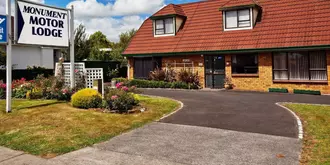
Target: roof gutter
point(299, 48)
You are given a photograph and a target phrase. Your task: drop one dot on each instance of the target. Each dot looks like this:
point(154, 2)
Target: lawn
point(21, 104)
point(316, 122)
point(56, 129)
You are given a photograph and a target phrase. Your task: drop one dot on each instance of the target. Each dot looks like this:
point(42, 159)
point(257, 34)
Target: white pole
point(9, 63)
point(72, 68)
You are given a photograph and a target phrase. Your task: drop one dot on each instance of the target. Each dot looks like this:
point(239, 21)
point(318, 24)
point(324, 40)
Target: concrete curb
point(299, 123)
point(178, 109)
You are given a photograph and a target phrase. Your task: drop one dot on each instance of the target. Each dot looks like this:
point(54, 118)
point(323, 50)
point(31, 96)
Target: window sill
point(245, 75)
point(302, 81)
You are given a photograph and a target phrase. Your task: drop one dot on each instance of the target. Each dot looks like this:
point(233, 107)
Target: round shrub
point(86, 98)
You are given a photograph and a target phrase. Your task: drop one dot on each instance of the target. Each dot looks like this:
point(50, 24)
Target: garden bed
point(56, 129)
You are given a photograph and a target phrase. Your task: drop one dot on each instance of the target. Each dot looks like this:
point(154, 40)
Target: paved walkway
point(213, 128)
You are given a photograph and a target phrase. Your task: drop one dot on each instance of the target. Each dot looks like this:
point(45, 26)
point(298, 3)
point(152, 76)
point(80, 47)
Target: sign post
point(72, 73)
point(8, 54)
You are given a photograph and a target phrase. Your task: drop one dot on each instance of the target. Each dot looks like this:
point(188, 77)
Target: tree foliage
point(2, 57)
point(119, 47)
point(81, 43)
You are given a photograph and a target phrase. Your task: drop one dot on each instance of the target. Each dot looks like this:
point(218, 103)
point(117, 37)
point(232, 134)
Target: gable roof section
point(232, 4)
point(284, 24)
point(170, 9)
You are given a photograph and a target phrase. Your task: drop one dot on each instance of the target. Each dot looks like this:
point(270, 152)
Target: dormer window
point(164, 27)
point(237, 19)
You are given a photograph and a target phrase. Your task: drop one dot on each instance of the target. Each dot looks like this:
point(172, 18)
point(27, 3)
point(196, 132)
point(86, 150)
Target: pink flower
point(124, 88)
point(64, 91)
point(76, 71)
point(118, 85)
point(23, 79)
point(3, 86)
point(114, 97)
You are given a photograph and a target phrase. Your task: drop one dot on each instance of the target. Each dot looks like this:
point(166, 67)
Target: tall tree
point(99, 41)
point(118, 48)
point(81, 43)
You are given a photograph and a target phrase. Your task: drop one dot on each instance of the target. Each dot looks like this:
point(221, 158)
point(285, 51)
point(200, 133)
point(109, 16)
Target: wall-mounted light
point(228, 63)
point(202, 55)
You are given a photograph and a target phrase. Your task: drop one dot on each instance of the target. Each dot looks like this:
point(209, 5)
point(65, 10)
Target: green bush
point(309, 92)
point(86, 98)
point(278, 90)
point(157, 84)
point(34, 94)
point(121, 100)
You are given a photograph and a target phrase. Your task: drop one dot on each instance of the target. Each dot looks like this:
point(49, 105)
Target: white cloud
point(115, 17)
point(93, 8)
point(111, 27)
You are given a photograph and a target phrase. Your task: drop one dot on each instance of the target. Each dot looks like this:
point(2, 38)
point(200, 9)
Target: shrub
point(157, 75)
point(188, 77)
point(170, 74)
point(86, 98)
point(309, 92)
point(120, 99)
point(158, 84)
point(278, 90)
point(34, 94)
point(2, 90)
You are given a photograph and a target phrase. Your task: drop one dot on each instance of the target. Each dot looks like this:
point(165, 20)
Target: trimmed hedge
point(309, 92)
point(86, 98)
point(156, 84)
point(278, 90)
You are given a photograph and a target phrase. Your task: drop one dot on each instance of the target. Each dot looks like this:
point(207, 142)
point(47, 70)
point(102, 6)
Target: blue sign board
point(3, 29)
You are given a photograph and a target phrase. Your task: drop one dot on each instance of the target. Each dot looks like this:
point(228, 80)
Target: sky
point(111, 17)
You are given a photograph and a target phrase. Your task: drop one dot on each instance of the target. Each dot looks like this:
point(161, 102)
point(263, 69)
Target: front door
point(214, 71)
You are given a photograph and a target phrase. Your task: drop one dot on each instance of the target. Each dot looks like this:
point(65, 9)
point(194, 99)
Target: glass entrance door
point(214, 71)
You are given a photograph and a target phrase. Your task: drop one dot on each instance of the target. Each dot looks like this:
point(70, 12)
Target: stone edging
point(299, 123)
point(178, 109)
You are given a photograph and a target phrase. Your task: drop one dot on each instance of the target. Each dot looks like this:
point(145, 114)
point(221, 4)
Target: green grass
point(316, 122)
point(56, 129)
point(21, 104)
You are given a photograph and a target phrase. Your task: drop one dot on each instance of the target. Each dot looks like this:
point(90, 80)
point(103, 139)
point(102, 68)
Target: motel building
point(259, 44)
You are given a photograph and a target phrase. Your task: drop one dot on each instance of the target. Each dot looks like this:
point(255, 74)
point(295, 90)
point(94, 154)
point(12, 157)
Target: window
point(164, 26)
point(245, 64)
point(143, 66)
point(300, 66)
point(237, 19)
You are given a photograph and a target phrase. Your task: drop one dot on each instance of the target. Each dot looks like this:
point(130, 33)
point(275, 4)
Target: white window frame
point(163, 35)
point(238, 28)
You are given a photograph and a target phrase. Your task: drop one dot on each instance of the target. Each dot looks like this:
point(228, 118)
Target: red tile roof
point(284, 23)
point(234, 3)
point(170, 9)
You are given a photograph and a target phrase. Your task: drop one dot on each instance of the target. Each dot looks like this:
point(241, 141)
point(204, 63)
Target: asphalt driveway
point(230, 128)
point(239, 111)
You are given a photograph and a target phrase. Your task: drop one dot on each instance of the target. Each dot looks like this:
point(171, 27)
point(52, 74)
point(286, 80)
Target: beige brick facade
point(264, 80)
point(259, 82)
point(194, 63)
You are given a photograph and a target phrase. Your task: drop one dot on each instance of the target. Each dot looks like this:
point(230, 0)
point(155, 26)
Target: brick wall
point(177, 64)
point(264, 80)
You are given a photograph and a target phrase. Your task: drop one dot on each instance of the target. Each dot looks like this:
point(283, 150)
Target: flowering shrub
point(21, 87)
point(121, 99)
point(2, 90)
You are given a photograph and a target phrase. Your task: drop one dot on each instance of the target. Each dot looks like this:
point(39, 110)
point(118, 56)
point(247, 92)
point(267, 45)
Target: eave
point(298, 48)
